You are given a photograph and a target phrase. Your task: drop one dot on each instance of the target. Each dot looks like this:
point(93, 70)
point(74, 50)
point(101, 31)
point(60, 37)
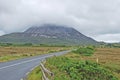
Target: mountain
point(49, 34)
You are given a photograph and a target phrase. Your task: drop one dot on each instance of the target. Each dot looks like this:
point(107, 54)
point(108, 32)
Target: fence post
point(45, 71)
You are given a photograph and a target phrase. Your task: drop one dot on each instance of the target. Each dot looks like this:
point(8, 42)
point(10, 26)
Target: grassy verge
point(12, 53)
point(79, 67)
point(35, 74)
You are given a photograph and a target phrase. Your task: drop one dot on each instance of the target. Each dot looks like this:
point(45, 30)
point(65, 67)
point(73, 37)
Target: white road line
point(22, 63)
point(27, 73)
point(34, 68)
point(31, 69)
point(21, 79)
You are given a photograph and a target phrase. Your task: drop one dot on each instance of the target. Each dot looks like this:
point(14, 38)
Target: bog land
point(16, 52)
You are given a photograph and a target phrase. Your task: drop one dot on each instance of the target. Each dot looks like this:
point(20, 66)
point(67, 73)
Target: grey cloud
point(109, 37)
point(1, 33)
point(91, 17)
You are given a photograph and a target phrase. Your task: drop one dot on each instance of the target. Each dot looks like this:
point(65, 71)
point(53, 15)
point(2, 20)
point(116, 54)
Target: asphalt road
point(18, 69)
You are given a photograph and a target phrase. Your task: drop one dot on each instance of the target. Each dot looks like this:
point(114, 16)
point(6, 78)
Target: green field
point(102, 65)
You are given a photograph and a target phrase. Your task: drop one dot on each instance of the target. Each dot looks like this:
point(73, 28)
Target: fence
point(45, 72)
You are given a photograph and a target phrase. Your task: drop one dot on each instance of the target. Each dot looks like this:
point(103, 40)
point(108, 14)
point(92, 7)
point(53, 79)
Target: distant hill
point(49, 34)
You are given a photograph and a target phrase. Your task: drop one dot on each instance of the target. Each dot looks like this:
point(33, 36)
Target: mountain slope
point(48, 34)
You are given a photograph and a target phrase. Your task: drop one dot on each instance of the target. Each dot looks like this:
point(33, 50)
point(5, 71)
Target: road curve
point(18, 69)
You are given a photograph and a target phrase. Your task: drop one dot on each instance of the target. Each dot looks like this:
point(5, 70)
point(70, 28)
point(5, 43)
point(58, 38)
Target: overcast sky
point(99, 19)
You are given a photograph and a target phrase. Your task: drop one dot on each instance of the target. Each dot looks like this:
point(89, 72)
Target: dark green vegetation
point(85, 70)
point(74, 66)
point(30, 45)
point(88, 51)
point(50, 35)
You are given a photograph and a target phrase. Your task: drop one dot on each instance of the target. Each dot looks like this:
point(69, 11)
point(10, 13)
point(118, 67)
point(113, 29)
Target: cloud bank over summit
point(96, 18)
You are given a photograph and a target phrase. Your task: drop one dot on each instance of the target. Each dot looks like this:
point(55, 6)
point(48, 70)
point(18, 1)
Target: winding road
point(18, 69)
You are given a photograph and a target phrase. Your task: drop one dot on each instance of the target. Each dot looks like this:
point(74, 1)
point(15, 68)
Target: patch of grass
point(86, 51)
point(36, 74)
point(10, 57)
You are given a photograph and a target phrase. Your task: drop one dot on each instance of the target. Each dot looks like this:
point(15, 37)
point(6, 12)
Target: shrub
point(85, 51)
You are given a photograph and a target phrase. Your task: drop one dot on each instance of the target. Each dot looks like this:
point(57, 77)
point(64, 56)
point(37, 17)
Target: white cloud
point(91, 17)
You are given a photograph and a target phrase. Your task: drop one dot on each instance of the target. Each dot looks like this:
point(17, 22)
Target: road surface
point(18, 69)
